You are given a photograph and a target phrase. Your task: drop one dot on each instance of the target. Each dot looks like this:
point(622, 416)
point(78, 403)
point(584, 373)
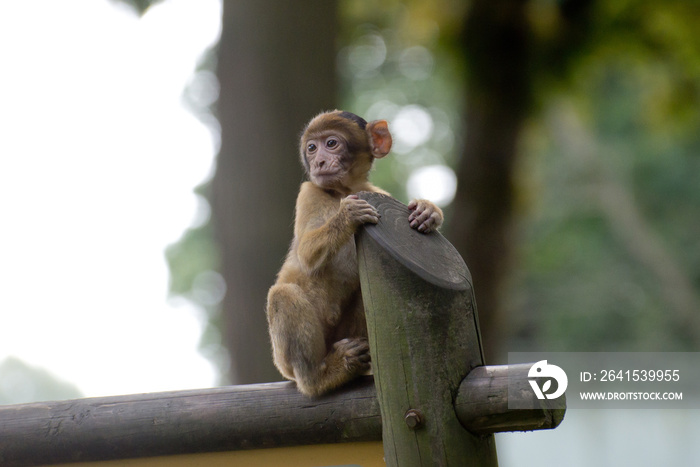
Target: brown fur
point(315, 313)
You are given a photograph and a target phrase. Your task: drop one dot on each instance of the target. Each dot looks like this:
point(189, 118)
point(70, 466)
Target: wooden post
point(424, 339)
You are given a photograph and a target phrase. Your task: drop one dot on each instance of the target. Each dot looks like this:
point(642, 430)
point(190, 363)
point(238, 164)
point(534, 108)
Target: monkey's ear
point(379, 138)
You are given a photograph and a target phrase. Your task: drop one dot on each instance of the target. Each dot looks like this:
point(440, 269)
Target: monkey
point(314, 310)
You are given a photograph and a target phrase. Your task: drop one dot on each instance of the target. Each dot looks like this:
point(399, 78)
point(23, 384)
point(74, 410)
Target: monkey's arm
point(316, 246)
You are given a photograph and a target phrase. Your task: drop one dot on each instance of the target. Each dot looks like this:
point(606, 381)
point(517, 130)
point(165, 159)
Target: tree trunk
point(496, 44)
point(276, 69)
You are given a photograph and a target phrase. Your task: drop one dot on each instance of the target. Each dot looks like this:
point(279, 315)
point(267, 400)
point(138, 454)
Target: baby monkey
point(314, 311)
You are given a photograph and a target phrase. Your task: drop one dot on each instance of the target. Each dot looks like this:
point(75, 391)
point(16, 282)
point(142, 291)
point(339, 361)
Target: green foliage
point(592, 275)
point(607, 202)
point(192, 255)
point(21, 383)
point(193, 262)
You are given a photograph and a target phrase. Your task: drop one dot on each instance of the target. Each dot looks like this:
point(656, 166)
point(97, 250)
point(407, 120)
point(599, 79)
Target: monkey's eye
point(331, 143)
point(311, 147)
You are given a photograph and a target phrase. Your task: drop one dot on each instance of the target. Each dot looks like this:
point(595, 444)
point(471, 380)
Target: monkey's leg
point(299, 344)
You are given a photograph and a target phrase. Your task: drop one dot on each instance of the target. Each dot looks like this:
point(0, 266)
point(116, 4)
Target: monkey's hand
point(425, 216)
point(358, 211)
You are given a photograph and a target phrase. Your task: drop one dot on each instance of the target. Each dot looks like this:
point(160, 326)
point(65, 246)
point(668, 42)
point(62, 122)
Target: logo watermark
point(548, 373)
point(597, 380)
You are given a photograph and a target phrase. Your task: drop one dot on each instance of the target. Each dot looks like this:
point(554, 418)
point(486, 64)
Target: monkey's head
point(338, 148)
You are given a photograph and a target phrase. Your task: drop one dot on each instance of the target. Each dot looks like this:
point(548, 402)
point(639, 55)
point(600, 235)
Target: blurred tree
point(275, 64)
point(505, 58)
point(276, 69)
point(497, 45)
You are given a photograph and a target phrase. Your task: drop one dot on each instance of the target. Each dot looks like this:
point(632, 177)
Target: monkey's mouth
point(326, 173)
point(327, 179)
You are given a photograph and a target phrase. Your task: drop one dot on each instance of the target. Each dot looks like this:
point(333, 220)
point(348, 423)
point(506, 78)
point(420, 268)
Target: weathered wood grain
point(210, 420)
point(482, 401)
point(239, 417)
point(423, 330)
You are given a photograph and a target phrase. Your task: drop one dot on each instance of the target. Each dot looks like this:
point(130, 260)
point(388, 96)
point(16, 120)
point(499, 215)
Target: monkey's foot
point(354, 353)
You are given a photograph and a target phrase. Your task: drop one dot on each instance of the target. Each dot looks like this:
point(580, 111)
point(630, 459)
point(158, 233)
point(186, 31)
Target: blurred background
point(148, 171)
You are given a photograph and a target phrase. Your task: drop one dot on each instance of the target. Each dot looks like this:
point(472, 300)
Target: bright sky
point(98, 160)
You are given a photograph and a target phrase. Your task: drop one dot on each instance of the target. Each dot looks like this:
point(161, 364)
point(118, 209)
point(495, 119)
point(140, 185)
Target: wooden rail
point(233, 418)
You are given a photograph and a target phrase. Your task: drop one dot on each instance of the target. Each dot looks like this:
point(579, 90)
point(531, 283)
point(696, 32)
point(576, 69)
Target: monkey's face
point(329, 159)
point(337, 149)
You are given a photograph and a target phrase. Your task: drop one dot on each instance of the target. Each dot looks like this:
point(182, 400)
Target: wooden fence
point(435, 401)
